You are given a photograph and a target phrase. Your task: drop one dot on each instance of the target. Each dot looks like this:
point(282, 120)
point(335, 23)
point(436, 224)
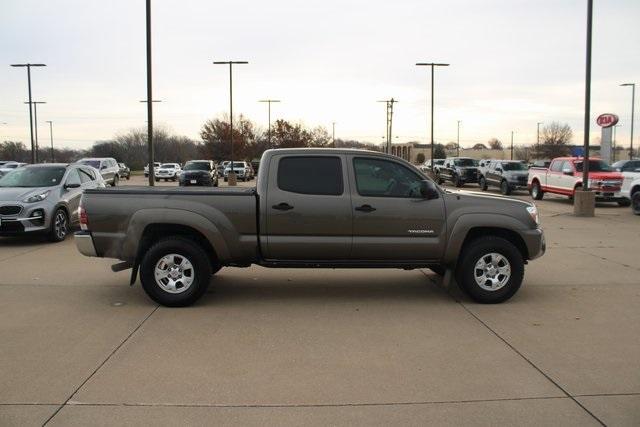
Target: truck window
point(383, 178)
point(311, 175)
point(556, 166)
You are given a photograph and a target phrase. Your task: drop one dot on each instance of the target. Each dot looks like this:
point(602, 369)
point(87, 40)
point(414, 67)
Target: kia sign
point(607, 120)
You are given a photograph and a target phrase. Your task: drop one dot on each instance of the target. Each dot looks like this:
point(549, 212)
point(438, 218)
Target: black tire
point(505, 188)
point(635, 203)
point(457, 182)
point(57, 234)
point(624, 203)
point(128, 177)
point(536, 191)
point(115, 181)
point(439, 180)
point(216, 183)
point(184, 248)
point(481, 247)
point(483, 183)
point(226, 179)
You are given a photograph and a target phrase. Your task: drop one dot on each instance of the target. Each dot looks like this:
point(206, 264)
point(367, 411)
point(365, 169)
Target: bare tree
point(554, 140)
point(495, 144)
point(479, 146)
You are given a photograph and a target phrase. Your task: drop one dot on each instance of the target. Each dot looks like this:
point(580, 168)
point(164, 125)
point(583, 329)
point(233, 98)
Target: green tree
point(420, 158)
point(439, 152)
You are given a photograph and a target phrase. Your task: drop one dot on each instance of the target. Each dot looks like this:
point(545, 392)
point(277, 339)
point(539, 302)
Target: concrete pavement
point(318, 347)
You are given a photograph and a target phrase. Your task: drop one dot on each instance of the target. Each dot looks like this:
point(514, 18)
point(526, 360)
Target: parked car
point(124, 171)
point(107, 166)
point(313, 208)
point(44, 198)
point(167, 171)
point(426, 166)
point(508, 175)
point(10, 166)
point(564, 176)
point(156, 165)
point(458, 170)
point(199, 172)
point(630, 190)
point(243, 171)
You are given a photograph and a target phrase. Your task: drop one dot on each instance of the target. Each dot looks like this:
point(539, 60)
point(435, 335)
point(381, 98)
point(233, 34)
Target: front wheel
point(175, 272)
point(483, 183)
point(59, 226)
point(457, 181)
point(536, 191)
point(115, 181)
point(490, 270)
point(504, 188)
point(635, 203)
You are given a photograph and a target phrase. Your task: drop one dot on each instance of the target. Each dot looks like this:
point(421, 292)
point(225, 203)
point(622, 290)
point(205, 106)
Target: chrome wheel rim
point(60, 225)
point(492, 271)
point(174, 273)
point(534, 190)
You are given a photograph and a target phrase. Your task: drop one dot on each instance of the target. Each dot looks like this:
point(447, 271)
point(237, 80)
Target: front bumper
point(36, 220)
point(535, 242)
point(199, 180)
point(84, 243)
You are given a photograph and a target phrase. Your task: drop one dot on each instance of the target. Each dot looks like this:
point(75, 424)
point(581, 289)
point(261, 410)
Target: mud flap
point(449, 280)
point(134, 273)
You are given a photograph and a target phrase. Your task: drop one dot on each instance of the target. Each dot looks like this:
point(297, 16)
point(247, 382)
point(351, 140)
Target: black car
point(198, 172)
point(458, 170)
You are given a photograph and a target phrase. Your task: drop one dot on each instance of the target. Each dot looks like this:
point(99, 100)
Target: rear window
point(311, 175)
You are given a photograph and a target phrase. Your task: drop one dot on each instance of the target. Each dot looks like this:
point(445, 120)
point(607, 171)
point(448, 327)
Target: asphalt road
point(318, 347)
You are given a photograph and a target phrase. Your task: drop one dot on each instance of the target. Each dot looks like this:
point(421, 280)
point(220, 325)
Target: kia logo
point(607, 120)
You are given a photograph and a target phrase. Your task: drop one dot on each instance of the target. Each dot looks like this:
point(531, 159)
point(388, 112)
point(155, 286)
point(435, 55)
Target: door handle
point(282, 206)
point(365, 208)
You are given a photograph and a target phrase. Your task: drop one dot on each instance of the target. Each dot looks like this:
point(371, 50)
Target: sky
point(513, 63)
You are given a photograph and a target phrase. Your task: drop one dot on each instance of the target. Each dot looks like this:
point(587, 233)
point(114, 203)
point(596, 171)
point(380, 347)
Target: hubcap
point(61, 225)
point(492, 271)
point(174, 273)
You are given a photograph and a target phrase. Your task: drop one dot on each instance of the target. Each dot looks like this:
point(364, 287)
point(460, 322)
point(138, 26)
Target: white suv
point(167, 171)
point(243, 171)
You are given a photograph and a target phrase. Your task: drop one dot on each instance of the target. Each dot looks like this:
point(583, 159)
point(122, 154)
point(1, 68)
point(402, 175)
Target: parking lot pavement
point(364, 347)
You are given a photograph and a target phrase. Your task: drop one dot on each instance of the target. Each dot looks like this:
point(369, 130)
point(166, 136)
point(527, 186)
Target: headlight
point(37, 197)
point(533, 212)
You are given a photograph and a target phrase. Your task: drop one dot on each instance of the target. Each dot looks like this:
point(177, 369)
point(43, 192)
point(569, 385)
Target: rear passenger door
point(308, 208)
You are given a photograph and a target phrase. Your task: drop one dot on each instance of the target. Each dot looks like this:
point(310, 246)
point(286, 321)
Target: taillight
point(84, 220)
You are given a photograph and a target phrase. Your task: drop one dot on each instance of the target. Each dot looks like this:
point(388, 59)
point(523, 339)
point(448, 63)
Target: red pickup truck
point(564, 176)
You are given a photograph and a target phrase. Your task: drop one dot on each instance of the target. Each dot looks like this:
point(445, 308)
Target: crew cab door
point(392, 221)
point(308, 208)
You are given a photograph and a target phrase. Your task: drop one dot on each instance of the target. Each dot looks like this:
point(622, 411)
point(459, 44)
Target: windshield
point(197, 166)
point(515, 166)
point(464, 162)
point(92, 163)
point(595, 166)
point(33, 177)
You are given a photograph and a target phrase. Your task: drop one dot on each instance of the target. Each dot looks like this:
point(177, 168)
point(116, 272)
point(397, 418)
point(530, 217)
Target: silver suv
point(107, 166)
point(44, 198)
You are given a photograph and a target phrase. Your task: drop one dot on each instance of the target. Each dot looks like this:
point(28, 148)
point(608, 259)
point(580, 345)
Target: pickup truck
point(564, 176)
point(630, 170)
point(314, 208)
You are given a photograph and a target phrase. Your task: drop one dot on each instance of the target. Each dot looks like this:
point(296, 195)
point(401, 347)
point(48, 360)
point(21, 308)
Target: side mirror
point(103, 167)
point(428, 190)
point(567, 171)
point(72, 185)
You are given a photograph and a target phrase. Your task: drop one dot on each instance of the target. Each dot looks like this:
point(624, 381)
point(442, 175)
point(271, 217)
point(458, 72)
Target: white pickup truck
point(630, 170)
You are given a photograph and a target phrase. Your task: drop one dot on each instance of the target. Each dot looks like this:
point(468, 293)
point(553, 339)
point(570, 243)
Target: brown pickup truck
point(312, 208)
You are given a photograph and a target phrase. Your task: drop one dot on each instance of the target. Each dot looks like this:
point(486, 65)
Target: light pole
point(51, 136)
point(333, 134)
point(35, 126)
point(232, 174)
point(432, 65)
point(633, 102)
point(511, 145)
point(538, 139)
point(389, 103)
point(149, 97)
point(269, 101)
point(458, 140)
point(28, 66)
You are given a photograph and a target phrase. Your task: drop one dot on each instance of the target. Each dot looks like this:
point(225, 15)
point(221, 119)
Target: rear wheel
point(504, 188)
point(59, 227)
point(490, 269)
point(536, 191)
point(175, 272)
point(635, 203)
point(457, 181)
